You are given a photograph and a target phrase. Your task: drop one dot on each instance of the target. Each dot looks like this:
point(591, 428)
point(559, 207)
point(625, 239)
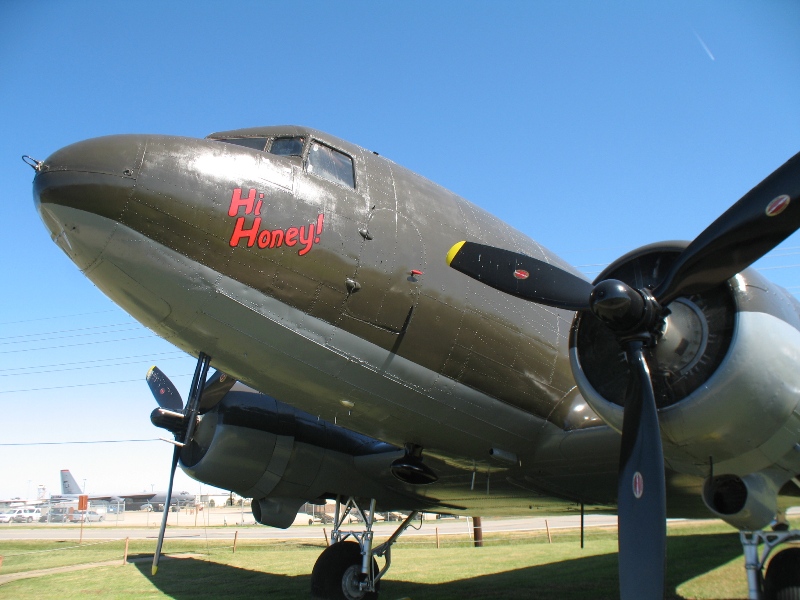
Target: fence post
point(549, 539)
point(437, 538)
point(582, 525)
point(325, 533)
point(235, 537)
point(477, 532)
point(125, 555)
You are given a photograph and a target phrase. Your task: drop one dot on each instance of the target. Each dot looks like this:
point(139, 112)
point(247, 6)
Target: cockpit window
point(256, 143)
point(331, 164)
point(287, 146)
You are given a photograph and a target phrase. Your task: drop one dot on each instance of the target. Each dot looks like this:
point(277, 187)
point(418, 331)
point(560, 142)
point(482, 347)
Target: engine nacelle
point(282, 457)
point(748, 503)
point(725, 369)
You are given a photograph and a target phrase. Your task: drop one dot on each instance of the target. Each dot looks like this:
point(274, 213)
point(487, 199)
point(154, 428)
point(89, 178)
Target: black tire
point(30, 519)
point(782, 581)
point(332, 566)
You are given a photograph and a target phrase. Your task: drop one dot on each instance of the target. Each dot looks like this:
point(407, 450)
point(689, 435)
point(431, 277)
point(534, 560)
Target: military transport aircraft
point(70, 490)
point(382, 341)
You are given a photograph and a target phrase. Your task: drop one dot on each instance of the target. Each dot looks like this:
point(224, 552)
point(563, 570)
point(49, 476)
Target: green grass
point(704, 561)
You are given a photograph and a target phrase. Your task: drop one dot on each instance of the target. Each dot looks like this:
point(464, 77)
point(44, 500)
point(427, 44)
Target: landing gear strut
point(782, 579)
point(347, 569)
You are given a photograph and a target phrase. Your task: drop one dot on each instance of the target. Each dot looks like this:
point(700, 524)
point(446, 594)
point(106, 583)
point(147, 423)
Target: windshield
point(256, 143)
point(331, 164)
point(287, 146)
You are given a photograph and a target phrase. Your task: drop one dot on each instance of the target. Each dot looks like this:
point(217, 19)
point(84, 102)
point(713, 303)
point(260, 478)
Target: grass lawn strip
point(704, 561)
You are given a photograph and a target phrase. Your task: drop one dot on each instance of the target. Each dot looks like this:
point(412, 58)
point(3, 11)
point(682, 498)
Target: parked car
point(20, 515)
point(89, 516)
point(27, 515)
point(57, 514)
point(303, 518)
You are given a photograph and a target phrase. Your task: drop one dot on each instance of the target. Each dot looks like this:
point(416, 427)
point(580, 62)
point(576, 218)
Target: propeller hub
point(618, 305)
point(170, 420)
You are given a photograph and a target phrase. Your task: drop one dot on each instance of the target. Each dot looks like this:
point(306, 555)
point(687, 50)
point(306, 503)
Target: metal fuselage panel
point(249, 216)
point(177, 242)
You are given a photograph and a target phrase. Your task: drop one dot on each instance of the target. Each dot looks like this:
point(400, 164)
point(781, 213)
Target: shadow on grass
point(191, 578)
point(589, 577)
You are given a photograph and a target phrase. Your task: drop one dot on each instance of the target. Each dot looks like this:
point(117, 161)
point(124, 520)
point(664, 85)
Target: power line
point(81, 368)
point(100, 312)
point(778, 267)
point(25, 335)
point(779, 255)
point(141, 337)
point(40, 337)
point(756, 268)
point(86, 362)
point(63, 387)
point(82, 442)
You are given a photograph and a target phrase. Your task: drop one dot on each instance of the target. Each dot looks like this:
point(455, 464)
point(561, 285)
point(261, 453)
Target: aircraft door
point(384, 289)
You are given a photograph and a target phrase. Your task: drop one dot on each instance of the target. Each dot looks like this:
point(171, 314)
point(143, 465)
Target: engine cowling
point(725, 369)
point(281, 457)
point(748, 502)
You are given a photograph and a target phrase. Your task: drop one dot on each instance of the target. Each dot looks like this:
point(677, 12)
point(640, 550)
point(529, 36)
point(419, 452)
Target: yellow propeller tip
point(451, 254)
point(155, 570)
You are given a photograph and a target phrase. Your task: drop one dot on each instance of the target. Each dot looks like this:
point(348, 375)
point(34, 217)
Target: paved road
point(447, 526)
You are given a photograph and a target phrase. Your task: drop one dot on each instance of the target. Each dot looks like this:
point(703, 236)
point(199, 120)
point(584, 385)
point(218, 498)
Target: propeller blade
point(521, 275)
point(762, 219)
point(175, 455)
point(641, 496)
point(189, 416)
point(214, 390)
point(164, 390)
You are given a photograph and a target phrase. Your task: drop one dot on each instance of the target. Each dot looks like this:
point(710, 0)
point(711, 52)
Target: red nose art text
point(305, 237)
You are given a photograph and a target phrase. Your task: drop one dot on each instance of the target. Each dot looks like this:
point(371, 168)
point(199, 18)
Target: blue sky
point(592, 127)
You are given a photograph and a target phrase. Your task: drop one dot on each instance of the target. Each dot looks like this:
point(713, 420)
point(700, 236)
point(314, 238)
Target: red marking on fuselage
point(320, 220)
point(238, 202)
point(253, 235)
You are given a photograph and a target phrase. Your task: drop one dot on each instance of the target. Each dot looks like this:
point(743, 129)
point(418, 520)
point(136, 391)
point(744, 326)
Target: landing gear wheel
point(337, 572)
point(782, 581)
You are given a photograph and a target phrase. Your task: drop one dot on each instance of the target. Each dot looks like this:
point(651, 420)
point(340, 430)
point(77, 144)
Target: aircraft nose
point(81, 191)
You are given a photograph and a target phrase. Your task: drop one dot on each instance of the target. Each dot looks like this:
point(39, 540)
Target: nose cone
point(81, 191)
